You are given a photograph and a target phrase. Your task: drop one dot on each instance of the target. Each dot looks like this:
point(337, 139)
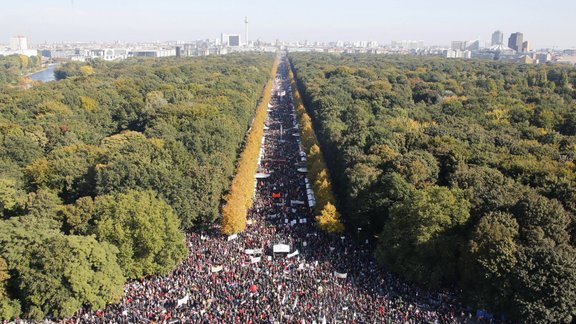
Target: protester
point(240, 279)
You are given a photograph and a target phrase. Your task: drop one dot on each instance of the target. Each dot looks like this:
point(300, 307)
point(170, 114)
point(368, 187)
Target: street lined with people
point(282, 268)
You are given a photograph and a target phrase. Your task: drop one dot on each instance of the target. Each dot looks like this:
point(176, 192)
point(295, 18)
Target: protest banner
point(340, 275)
point(293, 254)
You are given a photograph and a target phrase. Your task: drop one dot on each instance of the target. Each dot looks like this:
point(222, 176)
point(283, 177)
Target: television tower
point(246, 30)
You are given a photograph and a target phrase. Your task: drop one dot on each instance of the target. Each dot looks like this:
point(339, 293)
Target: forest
point(102, 171)
point(461, 173)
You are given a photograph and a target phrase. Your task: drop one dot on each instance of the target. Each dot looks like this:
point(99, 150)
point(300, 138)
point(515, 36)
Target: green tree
point(77, 217)
point(492, 256)
point(143, 228)
point(544, 285)
point(418, 237)
point(58, 274)
point(9, 308)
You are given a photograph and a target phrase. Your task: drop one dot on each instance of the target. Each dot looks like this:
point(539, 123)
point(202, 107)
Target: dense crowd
point(240, 279)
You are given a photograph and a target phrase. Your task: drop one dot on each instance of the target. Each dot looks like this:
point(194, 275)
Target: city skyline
point(435, 23)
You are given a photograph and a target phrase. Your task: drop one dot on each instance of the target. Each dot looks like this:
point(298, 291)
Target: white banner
point(183, 301)
point(296, 202)
point(254, 260)
point(216, 269)
point(281, 248)
point(340, 275)
point(232, 237)
point(293, 254)
point(258, 251)
point(249, 251)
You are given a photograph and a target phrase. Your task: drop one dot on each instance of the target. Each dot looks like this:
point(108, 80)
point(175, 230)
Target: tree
point(419, 167)
point(11, 197)
point(86, 70)
point(239, 199)
point(418, 237)
point(43, 203)
point(491, 257)
point(329, 219)
point(9, 308)
point(544, 285)
point(77, 217)
point(145, 230)
point(58, 274)
point(543, 221)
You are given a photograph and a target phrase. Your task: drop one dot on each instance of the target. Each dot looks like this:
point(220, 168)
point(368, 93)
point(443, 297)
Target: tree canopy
point(463, 170)
point(103, 170)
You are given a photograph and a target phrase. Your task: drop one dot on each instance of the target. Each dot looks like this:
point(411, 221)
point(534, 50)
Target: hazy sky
point(544, 23)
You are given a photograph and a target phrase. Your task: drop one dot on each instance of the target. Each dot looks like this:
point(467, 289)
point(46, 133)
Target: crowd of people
point(243, 278)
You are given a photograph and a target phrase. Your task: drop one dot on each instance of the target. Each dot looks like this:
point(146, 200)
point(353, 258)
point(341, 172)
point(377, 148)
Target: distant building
point(525, 59)
point(544, 57)
point(458, 45)
point(451, 53)
point(526, 46)
point(497, 38)
point(408, 44)
point(472, 45)
point(515, 41)
point(18, 43)
point(372, 44)
point(465, 45)
point(152, 53)
point(232, 40)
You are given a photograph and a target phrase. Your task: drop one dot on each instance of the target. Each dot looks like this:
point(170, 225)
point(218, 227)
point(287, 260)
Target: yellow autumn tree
point(86, 70)
point(23, 61)
point(329, 219)
point(239, 198)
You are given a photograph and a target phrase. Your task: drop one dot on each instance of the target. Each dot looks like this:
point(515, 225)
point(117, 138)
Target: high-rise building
point(497, 38)
point(515, 41)
point(230, 40)
point(458, 45)
point(233, 40)
point(18, 43)
point(526, 47)
point(465, 45)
